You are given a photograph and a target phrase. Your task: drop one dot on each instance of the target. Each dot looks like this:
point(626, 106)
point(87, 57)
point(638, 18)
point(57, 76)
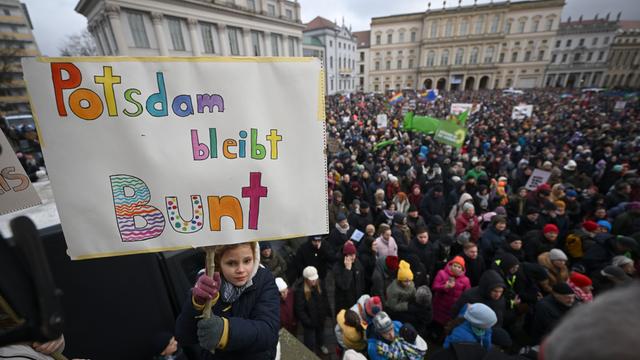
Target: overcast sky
point(55, 20)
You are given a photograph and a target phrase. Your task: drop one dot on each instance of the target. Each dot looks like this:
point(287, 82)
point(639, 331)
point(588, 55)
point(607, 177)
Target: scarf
point(342, 230)
point(230, 293)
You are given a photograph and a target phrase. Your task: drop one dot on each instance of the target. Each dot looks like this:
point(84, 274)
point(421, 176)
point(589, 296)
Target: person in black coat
point(367, 258)
point(349, 278)
point(474, 263)
point(245, 318)
point(536, 242)
point(599, 255)
point(513, 246)
point(312, 308)
point(493, 238)
point(489, 292)
point(550, 310)
point(361, 220)
point(340, 233)
point(427, 252)
point(315, 252)
point(433, 203)
point(531, 221)
point(414, 220)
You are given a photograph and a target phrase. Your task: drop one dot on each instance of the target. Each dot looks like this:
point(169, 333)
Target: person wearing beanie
point(360, 220)
point(400, 232)
point(316, 252)
point(383, 275)
point(555, 261)
point(507, 266)
point(400, 293)
point(609, 278)
point(349, 278)
point(493, 238)
point(433, 204)
point(581, 286)
point(272, 260)
point(625, 263)
point(478, 319)
point(550, 310)
point(415, 221)
point(287, 314)
point(448, 286)
point(489, 291)
point(604, 249)
point(340, 232)
point(336, 207)
point(590, 226)
point(312, 308)
point(537, 243)
point(530, 221)
point(535, 283)
point(513, 246)
point(468, 222)
point(387, 342)
point(349, 331)
point(603, 226)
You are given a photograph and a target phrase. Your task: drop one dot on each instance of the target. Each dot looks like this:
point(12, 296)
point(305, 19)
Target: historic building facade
point(493, 45)
point(362, 64)
point(624, 56)
point(195, 27)
point(338, 46)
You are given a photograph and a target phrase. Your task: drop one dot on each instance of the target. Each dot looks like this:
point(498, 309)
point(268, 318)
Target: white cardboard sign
point(16, 190)
point(537, 178)
point(521, 112)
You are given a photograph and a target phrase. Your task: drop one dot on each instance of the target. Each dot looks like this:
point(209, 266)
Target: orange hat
point(560, 204)
point(457, 260)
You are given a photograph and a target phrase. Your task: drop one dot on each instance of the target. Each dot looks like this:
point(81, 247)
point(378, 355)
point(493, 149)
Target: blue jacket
point(254, 322)
point(464, 334)
point(372, 348)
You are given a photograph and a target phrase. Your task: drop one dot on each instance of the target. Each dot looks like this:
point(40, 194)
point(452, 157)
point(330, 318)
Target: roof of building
point(313, 41)
point(363, 38)
point(629, 24)
point(584, 22)
point(320, 23)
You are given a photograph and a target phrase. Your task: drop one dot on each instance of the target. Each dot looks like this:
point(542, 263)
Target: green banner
point(425, 124)
point(450, 134)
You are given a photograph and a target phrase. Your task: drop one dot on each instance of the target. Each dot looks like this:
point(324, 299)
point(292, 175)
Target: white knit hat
point(281, 284)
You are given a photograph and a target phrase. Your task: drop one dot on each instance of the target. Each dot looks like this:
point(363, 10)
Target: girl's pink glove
point(206, 288)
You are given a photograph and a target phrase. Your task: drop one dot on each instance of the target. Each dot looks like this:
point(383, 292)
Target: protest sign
point(381, 120)
point(155, 154)
point(450, 134)
point(521, 112)
point(538, 177)
point(459, 108)
point(619, 105)
point(16, 191)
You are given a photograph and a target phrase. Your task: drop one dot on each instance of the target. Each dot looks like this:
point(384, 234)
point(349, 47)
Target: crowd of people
point(430, 244)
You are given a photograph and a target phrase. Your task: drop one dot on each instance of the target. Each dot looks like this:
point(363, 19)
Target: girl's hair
point(382, 228)
point(308, 289)
point(221, 249)
point(351, 318)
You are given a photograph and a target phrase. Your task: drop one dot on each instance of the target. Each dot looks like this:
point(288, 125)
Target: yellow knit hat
point(404, 271)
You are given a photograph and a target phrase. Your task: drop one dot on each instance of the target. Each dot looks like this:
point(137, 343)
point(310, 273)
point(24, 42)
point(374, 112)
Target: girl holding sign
point(244, 319)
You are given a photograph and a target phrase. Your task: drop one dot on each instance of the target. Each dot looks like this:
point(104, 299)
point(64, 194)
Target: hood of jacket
point(489, 281)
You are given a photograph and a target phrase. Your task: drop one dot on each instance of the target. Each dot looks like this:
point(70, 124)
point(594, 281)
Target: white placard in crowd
point(521, 112)
point(16, 190)
point(381, 120)
point(537, 178)
point(156, 154)
point(459, 108)
point(619, 105)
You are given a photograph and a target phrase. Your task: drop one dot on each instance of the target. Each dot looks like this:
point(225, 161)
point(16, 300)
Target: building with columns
point(580, 53)
point(362, 64)
point(480, 46)
point(195, 27)
point(339, 53)
point(16, 42)
point(624, 56)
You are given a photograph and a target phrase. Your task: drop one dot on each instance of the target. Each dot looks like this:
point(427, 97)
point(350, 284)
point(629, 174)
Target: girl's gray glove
point(210, 331)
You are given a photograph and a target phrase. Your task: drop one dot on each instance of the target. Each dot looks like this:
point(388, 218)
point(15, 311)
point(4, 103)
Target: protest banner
point(382, 120)
point(450, 134)
point(156, 154)
point(537, 178)
point(459, 108)
point(619, 105)
point(521, 112)
point(16, 190)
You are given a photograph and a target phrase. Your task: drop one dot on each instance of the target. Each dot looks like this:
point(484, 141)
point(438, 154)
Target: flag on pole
point(384, 144)
point(396, 98)
point(432, 95)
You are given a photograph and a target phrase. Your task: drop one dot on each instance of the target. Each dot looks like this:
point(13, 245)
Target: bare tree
point(10, 68)
point(80, 44)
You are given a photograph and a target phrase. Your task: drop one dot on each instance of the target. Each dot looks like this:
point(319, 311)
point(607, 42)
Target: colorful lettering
point(225, 148)
point(258, 152)
point(74, 80)
point(180, 100)
point(9, 173)
point(210, 101)
point(81, 97)
point(178, 223)
point(158, 98)
point(254, 192)
point(200, 150)
point(128, 208)
point(274, 138)
point(107, 80)
point(224, 206)
point(129, 98)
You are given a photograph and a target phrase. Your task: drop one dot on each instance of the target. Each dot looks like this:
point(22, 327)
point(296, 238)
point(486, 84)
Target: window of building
point(594, 41)
point(577, 57)
point(564, 58)
point(234, 35)
point(330, 43)
point(600, 55)
point(271, 10)
point(361, 69)
point(289, 14)
point(378, 40)
point(494, 23)
point(527, 56)
point(540, 55)
point(568, 43)
point(292, 46)
point(479, 25)
point(431, 56)
point(251, 4)
point(138, 31)
point(434, 29)
point(606, 40)
point(549, 24)
point(377, 67)
point(339, 62)
point(389, 38)
point(207, 38)
point(464, 27)
point(507, 27)
point(488, 55)
point(459, 56)
point(255, 43)
point(448, 29)
point(581, 43)
point(589, 56)
point(553, 58)
point(399, 64)
point(376, 87)
point(514, 56)
point(401, 38)
point(558, 43)
point(501, 58)
point(331, 84)
point(535, 25)
point(473, 58)
point(444, 58)
point(410, 63)
point(399, 52)
point(388, 65)
point(175, 29)
point(413, 36)
point(7, 12)
point(521, 24)
point(276, 41)
point(361, 55)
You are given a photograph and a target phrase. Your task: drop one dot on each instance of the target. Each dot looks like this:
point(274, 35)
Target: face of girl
point(236, 264)
point(456, 269)
point(501, 226)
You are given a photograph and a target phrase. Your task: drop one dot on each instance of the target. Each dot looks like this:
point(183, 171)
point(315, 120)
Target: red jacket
point(287, 315)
